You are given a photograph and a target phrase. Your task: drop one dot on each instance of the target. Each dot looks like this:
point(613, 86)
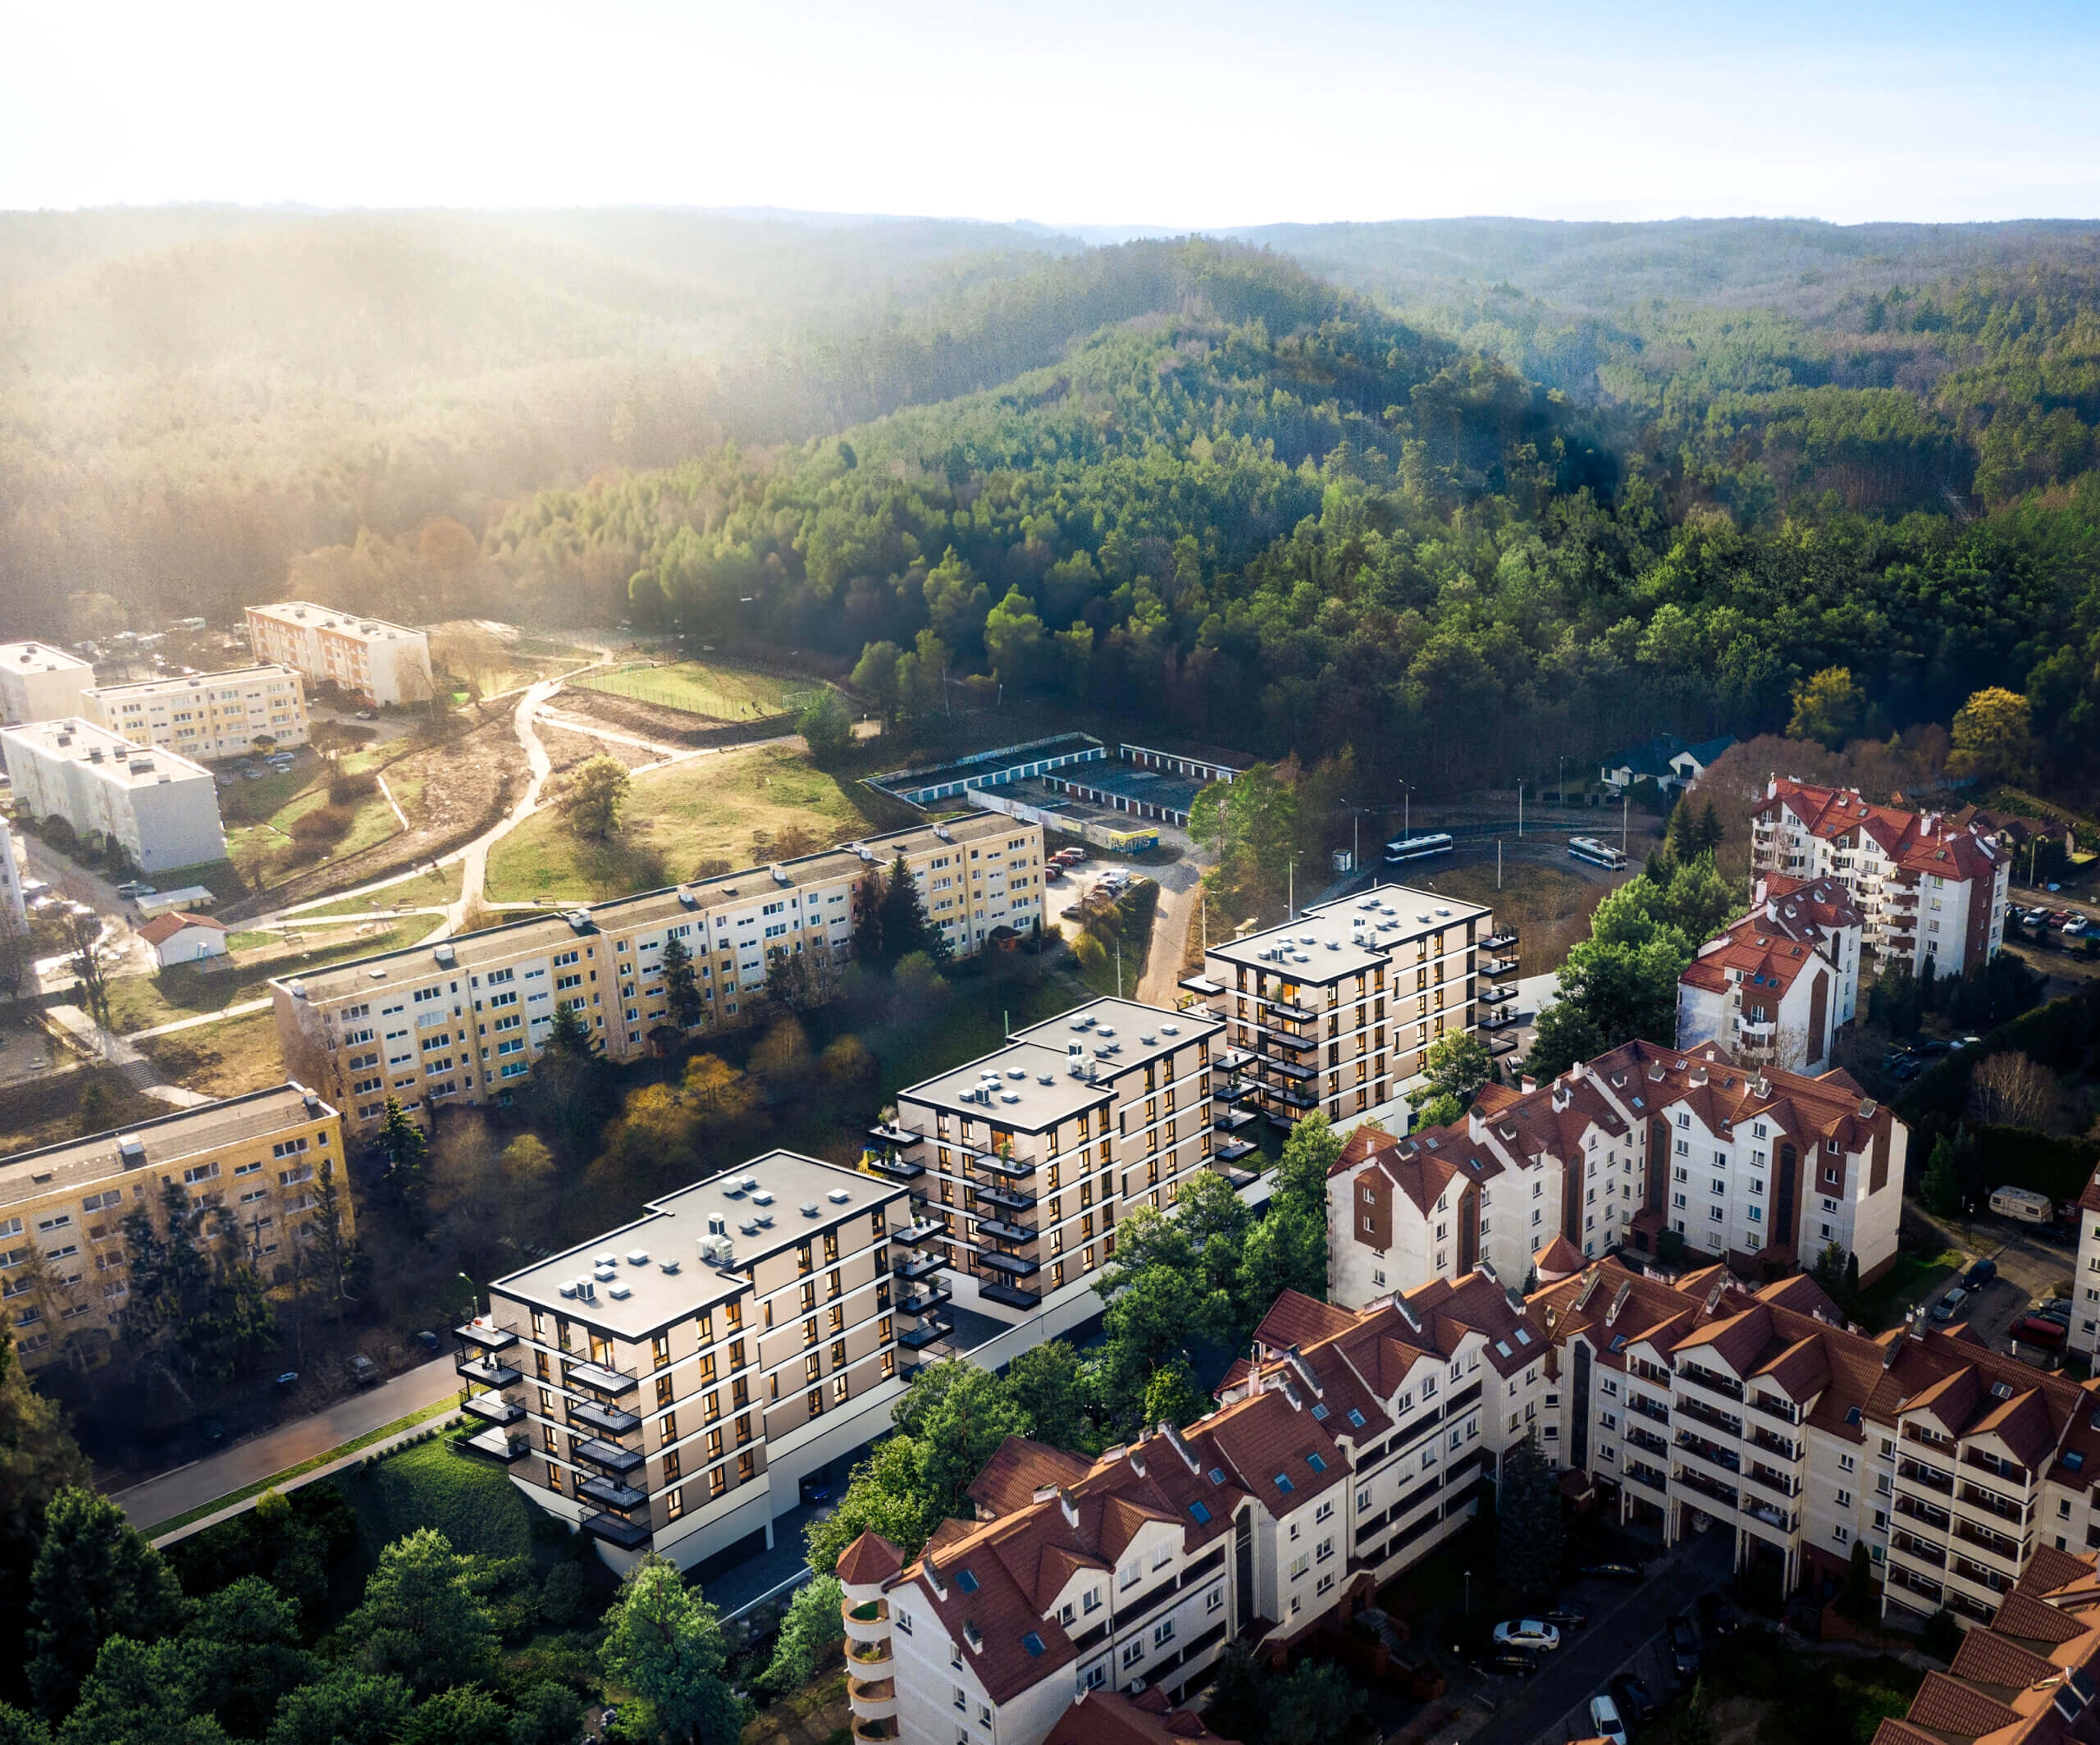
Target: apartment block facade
point(1928, 891)
point(665, 1386)
point(381, 662)
point(1762, 1411)
point(464, 1019)
point(263, 1176)
point(209, 716)
point(2083, 1337)
point(1779, 986)
point(38, 682)
point(1346, 1449)
point(1761, 1166)
point(161, 808)
point(1334, 1011)
point(1020, 1163)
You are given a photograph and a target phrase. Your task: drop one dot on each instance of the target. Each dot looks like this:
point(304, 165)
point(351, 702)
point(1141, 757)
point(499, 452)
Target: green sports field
point(721, 694)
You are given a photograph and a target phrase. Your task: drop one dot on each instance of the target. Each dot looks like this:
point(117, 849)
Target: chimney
point(1529, 1083)
point(1475, 1127)
point(1070, 1509)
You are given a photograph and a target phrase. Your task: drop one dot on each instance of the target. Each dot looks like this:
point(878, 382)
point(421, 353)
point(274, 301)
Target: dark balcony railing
point(1000, 1231)
point(610, 1493)
point(926, 1266)
point(1711, 1454)
point(926, 1302)
point(607, 1420)
point(1647, 1439)
point(1725, 1386)
point(1497, 966)
point(1915, 1472)
point(1496, 1018)
point(1692, 1480)
point(1917, 1550)
point(1010, 1296)
point(487, 1371)
point(493, 1408)
point(1712, 1417)
point(1778, 1446)
point(488, 1335)
point(1495, 942)
point(897, 1168)
point(926, 1333)
point(1775, 1409)
point(1777, 1483)
point(630, 1535)
point(1015, 1266)
point(609, 1455)
point(1938, 1519)
point(1232, 1150)
point(1290, 1013)
point(1291, 1042)
point(1014, 1169)
point(918, 1230)
point(601, 1380)
point(1770, 1516)
point(1290, 1098)
point(1974, 1496)
point(1296, 1071)
point(1647, 1407)
point(1652, 1476)
point(890, 1133)
point(1010, 1199)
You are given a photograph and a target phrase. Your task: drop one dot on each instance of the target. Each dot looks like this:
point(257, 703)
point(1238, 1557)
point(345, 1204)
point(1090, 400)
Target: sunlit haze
point(1167, 114)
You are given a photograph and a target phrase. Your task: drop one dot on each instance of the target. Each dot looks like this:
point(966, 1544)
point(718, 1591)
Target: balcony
point(494, 1408)
point(1000, 1231)
point(1232, 1150)
point(1994, 1546)
point(488, 1373)
point(1777, 1483)
point(1699, 1484)
point(1296, 1071)
point(1014, 1266)
point(1725, 1464)
point(920, 1230)
point(610, 1493)
point(607, 1420)
point(1975, 1500)
point(890, 1164)
point(1288, 1012)
point(889, 1133)
point(610, 1455)
point(926, 1302)
point(1918, 1551)
point(1649, 1478)
point(1010, 1296)
point(1290, 1098)
point(926, 1266)
point(1010, 1199)
point(500, 1445)
point(1700, 1412)
point(926, 1333)
point(1502, 941)
point(1714, 1383)
point(1498, 965)
point(486, 1334)
point(1937, 1519)
point(1499, 992)
point(1757, 1030)
point(1648, 1440)
point(630, 1535)
point(1916, 1472)
point(1776, 1410)
point(1014, 1169)
point(1766, 1515)
point(1776, 1446)
point(1495, 1018)
point(601, 1380)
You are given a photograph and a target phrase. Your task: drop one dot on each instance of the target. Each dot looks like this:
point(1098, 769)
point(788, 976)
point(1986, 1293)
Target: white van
point(2023, 1203)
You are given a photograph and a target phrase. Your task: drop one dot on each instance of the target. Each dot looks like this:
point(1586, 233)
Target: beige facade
point(383, 662)
point(1020, 1162)
point(211, 715)
point(159, 807)
point(465, 1019)
point(1335, 1010)
point(666, 1386)
point(38, 682)
point(262, 1177)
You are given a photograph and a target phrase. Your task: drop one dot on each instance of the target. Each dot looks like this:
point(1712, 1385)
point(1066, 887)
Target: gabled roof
point(1017, 1469)
point(1918, 843)
point(1107, 1717)
point(166, 927)
point(869, 1560)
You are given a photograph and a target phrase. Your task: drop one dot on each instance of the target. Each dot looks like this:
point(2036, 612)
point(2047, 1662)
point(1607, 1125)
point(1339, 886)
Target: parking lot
point(2030, 1261)
point(1625, 1633)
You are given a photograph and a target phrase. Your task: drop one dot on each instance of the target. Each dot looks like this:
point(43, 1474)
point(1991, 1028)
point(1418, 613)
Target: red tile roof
point(1111, 1718)
point(160, 931)
point(1917, 843)
point(869, 1560)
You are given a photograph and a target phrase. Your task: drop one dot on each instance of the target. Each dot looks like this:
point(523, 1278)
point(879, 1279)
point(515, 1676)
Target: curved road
point(474, 857)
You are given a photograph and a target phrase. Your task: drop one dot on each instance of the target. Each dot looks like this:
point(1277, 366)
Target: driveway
point(2030, 1261)
point(177, 1492)
point(1624, 1631)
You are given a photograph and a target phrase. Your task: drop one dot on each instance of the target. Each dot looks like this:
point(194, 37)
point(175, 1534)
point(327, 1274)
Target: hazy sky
point(1145, 111)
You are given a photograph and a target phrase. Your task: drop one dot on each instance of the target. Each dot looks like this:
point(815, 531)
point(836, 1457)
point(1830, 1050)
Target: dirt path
point(474, 857)
point(591, 729)
point(1171, 920)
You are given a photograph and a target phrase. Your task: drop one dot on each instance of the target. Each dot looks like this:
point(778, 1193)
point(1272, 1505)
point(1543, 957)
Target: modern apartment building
point(465, 1019)
point(1020, 1162)
point(666, 1386)
point(162, 808)
point(1346, 1449)
point(368, 657)
point(1334, 1011)
point(1778, 986)
point(1761, 1411)
point(264, 1175)
point(38, 682)
point(1763, 1166)
point(207, 715)
point(1928, 891)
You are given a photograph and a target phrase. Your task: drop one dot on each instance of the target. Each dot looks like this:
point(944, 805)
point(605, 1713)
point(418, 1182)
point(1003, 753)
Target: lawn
point(262, 848)
point(220, 1060)
point(1914, 1279)
point(46, 1109)
point(722, 693)
point(188, 990)
point(1549, 906)
point(420, 890)
point(731, 809)
point(469, 1500)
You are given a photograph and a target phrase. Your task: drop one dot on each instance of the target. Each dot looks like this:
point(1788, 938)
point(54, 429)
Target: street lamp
point(474, 1298)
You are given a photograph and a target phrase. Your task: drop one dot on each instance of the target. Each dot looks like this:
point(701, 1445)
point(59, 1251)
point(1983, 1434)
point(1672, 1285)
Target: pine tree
point(903, 919)
point(407, 1152)
point(1711, 832)
point(1941, 1189)
point(681, 990)
point(1527, 1520)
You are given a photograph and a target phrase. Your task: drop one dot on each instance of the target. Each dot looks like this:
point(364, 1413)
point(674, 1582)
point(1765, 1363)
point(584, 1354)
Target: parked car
point(364, 1371)
point(1526, 1632)
point(1512, 1662)
point(1979, 1275)
point(288, 1381)
point(815, 1488)
point(1566, 1618)
point(2039, 1329)
point(1612, 1571)
point(1718, 1615)
point(2057, 1308)
point(132, 887)
point(1951, 1305)
point(1635, 1703)
point(366, 715)
point(1071, 912)
point(1684, 1645)
point(1604, 1722)
point(428, 1341)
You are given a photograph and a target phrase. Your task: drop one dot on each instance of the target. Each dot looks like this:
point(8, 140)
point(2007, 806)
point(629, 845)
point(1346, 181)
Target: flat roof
point(40, 657)
point(175, 682)
point(669, 1232)
point(71, 740)
point(1134, 782)
point(167, 1139)
point(983, 766)
point(498, 944)
point(1349, 936)
point(306, 615)
point(1035, 1087)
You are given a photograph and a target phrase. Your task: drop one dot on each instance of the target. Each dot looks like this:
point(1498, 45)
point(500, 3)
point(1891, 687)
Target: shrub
point(1942, 1635)
point(323, 827)
point(347, 790)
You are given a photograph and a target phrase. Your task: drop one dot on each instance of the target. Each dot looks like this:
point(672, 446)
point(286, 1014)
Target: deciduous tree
point(591, 796)
point(665, 1643)
point(424, 1618)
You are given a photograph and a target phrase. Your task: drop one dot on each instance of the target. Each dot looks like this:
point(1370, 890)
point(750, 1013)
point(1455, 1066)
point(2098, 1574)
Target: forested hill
point(1278, 518)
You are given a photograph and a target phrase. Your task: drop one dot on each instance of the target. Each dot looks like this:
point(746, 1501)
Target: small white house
point(185, 939)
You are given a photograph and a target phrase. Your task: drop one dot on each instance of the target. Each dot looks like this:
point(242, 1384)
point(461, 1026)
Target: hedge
point(2021, 1157)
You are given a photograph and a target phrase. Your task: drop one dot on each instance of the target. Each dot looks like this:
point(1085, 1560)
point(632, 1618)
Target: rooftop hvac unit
point(780, 875)
point(840, 1197)
point(587, 1291)
point(568, 1290)
point(669, 1266)
point(620, 1291)
point(810, 1209)
point(717, 1225)
point(444, 954)
point(638, 1257)
point(761, 1197)
point(750, 1184)
point(749, 1226)
point(765, 1221)
point(690, 899)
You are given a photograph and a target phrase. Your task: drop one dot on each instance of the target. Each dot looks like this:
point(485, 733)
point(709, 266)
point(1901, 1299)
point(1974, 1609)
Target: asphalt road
point(2029, 1262)
point(1625, 1631)
point(177, 1492)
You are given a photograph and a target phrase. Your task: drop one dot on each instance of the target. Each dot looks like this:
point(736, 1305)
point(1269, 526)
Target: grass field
point(220, 1060)
point(1914, 1278)
point(422, 890)
point(468, 1500)
point(187, 990)
point(721, 694)
point(735, 808)
point(259, 815)
point(46, 1109)
point(1549, 906)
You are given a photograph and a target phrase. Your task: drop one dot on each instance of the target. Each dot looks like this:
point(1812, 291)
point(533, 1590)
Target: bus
point(1417, 849)
point(1598, 854)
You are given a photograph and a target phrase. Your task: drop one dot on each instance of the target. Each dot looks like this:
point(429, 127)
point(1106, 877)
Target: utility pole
point(1119, 969)
point(1498, 863)
point(1291, 885)
point(1625, 806)
point(1407, 810)
point(1520, 812)
point(1560, 781)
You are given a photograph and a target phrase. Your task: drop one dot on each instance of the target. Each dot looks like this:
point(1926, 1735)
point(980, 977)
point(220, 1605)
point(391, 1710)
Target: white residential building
point(38, 682)
point(162, 810)
point(1778, 986)
point(1928, 891)
point(209, 714)
point(385, 664)
point(2084, 1335)
point(1763, 1165)
point(13, 910)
